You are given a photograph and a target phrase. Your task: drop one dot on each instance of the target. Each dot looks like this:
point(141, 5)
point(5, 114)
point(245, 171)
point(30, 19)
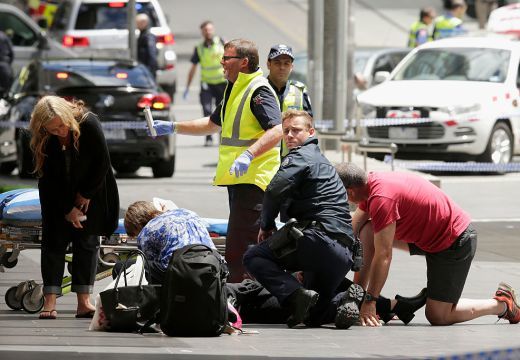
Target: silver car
point(100, 28)
point(29, 40)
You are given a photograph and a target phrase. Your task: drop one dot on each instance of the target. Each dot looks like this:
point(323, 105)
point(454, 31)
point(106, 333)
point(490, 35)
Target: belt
point(341, 238)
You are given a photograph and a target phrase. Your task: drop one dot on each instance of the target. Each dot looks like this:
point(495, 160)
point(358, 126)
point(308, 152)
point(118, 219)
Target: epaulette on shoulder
point(298, 84)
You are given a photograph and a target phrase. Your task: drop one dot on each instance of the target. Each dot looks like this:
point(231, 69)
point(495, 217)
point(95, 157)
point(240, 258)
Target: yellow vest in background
point(211, 72)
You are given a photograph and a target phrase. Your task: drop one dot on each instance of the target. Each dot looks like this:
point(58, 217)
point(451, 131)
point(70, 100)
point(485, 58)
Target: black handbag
point(131, 308)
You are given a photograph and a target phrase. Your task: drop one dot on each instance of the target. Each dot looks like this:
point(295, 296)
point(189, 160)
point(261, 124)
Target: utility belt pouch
point(357, 255)
point(283, 241)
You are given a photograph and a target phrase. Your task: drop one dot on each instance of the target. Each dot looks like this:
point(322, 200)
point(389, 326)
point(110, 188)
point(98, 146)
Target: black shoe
point(405, 307)
point(348, 310)
point(208, 141)
point(300, 303)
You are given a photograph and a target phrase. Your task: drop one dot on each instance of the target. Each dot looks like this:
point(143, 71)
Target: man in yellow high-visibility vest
point(250, 120)
point(208, 54)
point(419, 31)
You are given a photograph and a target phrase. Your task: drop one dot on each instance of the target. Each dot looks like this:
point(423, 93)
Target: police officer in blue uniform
point(320, 242)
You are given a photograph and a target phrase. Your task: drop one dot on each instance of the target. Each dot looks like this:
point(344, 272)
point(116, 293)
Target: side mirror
point(42, 22)
point(43, 43)
point(381, 76)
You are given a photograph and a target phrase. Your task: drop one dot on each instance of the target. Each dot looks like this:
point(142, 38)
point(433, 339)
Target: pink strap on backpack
point(238, 323)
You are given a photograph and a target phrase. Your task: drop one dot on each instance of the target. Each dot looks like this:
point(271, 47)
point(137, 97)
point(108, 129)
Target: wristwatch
point(370, 297)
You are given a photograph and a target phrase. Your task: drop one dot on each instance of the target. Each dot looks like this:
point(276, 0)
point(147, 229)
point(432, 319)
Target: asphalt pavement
point(24, 336)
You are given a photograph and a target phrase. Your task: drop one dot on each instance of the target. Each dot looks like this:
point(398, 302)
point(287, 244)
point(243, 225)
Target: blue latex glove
point(241, 164)
point(162, 127)
point(185, 94)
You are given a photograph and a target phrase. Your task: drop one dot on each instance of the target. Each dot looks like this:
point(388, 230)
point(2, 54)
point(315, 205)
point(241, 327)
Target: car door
point(24, 37)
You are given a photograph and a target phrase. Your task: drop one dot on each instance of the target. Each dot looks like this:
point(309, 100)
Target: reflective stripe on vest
point(293, 100)
point(446, 27)
point(240, 129)
point(211, 72)
point(412, 38)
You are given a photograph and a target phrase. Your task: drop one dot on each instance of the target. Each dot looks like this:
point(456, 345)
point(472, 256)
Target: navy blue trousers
point(324, 263)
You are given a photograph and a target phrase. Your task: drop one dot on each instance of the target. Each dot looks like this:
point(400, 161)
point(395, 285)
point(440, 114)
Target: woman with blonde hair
point(78, 196)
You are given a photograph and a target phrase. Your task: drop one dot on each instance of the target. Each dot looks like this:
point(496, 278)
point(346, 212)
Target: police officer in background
point(146, 47)
point(212, 81)
point(319, 244)
point(419, 32)
point(6, 59)
point(450, 24)
point(291, 94)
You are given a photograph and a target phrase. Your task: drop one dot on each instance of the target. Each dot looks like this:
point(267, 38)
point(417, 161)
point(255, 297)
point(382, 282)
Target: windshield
point(99, 74)
point(111, 15)
point(463, 64)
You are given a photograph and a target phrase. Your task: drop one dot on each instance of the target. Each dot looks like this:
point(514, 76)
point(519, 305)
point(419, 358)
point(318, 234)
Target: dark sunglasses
point(226, 58)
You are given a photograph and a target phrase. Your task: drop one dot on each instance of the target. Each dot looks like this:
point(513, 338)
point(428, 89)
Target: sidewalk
point(24, 336)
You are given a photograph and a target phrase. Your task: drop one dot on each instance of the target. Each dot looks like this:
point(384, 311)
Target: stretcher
point(20, 229)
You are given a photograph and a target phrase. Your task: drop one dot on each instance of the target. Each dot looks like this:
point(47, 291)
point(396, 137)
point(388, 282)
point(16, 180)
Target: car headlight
point(460, 109)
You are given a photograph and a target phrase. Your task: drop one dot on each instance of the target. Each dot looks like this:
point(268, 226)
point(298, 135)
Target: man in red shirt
point(407, 212)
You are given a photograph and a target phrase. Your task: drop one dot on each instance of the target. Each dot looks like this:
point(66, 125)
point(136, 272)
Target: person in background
point(408, 212)
point(78, 196)
point(146, 46)
point(250, 119)
point(483, 8)
point(450, 23)
point(419, 31)
point(291, 94)
point(6, 59)
point(212, 81)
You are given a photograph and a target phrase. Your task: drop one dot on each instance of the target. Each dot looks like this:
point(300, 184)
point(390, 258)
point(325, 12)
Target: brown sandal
point(48, 314)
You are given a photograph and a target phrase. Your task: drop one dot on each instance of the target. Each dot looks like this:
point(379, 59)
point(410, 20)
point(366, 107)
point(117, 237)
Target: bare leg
point(49, 303)
point(442, 313)
point(84, 304)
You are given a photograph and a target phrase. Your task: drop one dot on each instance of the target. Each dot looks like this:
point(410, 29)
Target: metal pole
point(350, 67)
point(340, 66)
point(315, 56)
point(132, 40)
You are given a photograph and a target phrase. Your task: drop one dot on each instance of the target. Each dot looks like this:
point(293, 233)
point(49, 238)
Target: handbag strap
point(146, 266)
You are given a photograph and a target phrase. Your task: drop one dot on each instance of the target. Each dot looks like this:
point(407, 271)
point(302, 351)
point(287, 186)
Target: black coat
point(313, 188)
point(147, 50)
point(91, 176)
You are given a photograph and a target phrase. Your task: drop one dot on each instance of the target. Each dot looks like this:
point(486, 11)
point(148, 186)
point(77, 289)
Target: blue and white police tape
point(469, 167)
point(498, 354)
point(104, 124)
point(371, 122)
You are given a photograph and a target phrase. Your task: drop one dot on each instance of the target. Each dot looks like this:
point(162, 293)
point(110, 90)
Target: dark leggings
point(84, 262)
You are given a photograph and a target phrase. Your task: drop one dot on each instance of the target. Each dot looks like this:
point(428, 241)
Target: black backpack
point(193, 297)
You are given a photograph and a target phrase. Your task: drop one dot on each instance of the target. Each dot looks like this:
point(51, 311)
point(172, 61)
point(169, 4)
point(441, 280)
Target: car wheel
point(499, 149)
point(24, 157)
point(7, 168)
point(164, 168)
point(126, 168)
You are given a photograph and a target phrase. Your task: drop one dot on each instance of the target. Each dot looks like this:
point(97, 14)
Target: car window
point(518, 77)
point(17, 30)
point(61, 17)
point(111, 15)
point(464, 64)
point(27, 80)
point(85, 75)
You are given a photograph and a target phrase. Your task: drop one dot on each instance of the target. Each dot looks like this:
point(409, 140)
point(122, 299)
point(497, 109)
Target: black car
point(116, 90)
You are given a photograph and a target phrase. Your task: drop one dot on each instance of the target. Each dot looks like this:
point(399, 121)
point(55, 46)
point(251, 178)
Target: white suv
point(100, 28)
point(453, 99)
